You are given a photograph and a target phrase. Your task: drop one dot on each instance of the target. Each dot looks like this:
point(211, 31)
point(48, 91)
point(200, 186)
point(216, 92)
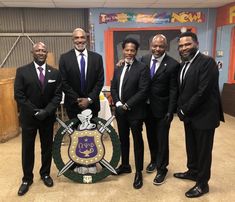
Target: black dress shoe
point(24, 187)
point(197, 191)
point(123, 169)
point(160, 178)
point(47, 180)
point(138, 181)
point(186, 175)
point(151, 167)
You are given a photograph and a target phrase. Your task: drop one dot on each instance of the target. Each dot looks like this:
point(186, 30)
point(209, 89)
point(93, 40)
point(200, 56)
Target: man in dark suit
point(161, 105)
point(199, 107)
point(82, 76)
point(129, 92)
point(38, 94)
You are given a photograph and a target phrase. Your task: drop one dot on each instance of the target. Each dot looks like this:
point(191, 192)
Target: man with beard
point(129, 91)
point(82, 80)
point(82, 76)
point(199, 107)
point(161, 105)
point(38, 94)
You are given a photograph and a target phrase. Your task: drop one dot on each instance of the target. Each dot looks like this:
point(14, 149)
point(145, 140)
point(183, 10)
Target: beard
point(81, 47)
point(189, 56)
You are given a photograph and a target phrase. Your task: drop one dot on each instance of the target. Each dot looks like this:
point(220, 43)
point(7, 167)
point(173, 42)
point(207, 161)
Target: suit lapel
point(75, 63)
point(119, 75)
point(89, 68)
point(128, 73)
point(161, 68)
point(192, 67)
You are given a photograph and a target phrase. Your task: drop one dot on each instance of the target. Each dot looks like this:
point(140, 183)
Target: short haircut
point(130, 40)
point(190, 34)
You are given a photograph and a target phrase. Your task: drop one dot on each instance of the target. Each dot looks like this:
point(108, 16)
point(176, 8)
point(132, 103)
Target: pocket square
point(51, 81)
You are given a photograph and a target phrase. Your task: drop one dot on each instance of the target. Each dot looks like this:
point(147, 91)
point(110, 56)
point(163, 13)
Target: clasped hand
point(83, 103)
point(40, 114)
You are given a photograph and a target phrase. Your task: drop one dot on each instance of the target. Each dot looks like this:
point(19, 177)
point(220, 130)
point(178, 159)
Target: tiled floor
point(119, 188)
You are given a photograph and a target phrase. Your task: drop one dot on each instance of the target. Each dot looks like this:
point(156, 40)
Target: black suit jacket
point(30, 96)
point(199, 96)
point(134, 90)
point(163, 89)
point(70, 73)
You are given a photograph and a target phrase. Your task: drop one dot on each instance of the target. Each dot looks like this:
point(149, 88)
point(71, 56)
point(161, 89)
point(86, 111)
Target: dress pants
point(136, 126)
point(158, 139)
point(28, 146)
point(199, 144)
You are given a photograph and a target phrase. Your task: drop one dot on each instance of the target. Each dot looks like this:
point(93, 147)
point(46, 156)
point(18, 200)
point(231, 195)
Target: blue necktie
point(82, 71)
point(153, 67)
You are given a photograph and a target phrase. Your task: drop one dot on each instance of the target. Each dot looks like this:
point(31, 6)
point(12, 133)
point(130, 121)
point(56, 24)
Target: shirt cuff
point(118, 104)
point(90, 100)
point(181, 112)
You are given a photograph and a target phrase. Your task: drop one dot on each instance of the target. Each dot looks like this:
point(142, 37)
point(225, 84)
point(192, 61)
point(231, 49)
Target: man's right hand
point(120, 111)
point(40, 114)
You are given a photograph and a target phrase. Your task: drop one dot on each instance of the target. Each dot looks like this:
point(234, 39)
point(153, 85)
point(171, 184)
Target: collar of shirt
point(159, 60)
point(85, 53)
point(43, 66)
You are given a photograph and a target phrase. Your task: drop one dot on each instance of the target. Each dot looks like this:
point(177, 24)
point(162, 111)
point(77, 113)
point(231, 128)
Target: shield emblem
point(86, 147)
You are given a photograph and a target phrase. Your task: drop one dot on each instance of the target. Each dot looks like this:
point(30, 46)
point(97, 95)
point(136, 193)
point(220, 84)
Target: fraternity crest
point(86, 147)
point(86, 150)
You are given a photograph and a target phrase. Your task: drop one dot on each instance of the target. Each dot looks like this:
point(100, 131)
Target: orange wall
point(225, 15)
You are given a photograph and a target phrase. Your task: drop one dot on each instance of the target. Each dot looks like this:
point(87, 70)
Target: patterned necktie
point(41, 76)
point(153, 67)
point(82, 71)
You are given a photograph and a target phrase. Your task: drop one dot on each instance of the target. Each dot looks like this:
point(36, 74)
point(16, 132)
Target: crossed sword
point(104, 127)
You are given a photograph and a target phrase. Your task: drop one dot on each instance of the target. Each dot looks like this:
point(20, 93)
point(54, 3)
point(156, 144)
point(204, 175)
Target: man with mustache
point(199, 107)
point(161, 104)
point(129, 91)
point(82, 76)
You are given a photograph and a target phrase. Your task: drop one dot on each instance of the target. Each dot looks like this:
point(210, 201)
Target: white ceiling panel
point(79, 5)
point(29, 4)
point(115, 3)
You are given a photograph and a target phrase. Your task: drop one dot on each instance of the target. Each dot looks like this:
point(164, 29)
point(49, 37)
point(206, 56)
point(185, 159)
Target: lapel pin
point(49, 70)
point(165, 64)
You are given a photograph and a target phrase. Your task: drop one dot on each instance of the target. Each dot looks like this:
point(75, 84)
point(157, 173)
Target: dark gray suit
point(30, 96)
point(134, 93)
point(199, 99)
point(163, 99)
point(70, 73)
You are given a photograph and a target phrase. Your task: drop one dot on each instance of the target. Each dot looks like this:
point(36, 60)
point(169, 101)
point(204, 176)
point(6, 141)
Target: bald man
point(160, 105)
point(82, 76)
point(38, 94)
